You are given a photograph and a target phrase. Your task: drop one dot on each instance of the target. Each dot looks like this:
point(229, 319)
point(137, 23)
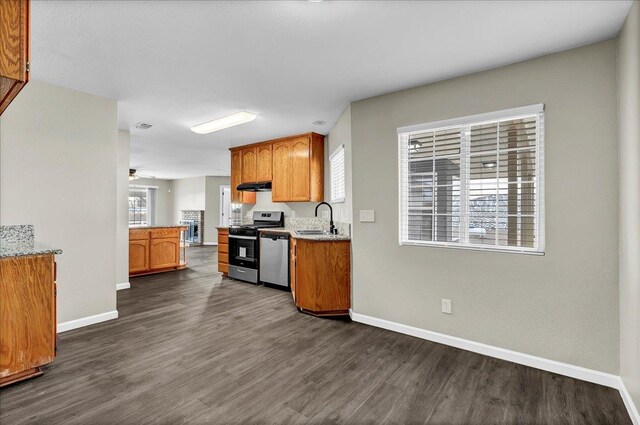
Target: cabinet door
point(164, 253)
point(138, 256)
point(264, 163)
point(292, 269)
point(281, 187)
point(236, 176)
point(299, 169)
point(14, 49)
point(249, 165)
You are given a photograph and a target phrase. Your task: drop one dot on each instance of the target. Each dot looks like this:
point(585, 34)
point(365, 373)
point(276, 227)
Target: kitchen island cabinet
point(223, 250)
point(156, 249)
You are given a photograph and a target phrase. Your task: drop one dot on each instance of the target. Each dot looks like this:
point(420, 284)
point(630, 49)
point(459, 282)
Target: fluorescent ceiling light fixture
point(224, 122)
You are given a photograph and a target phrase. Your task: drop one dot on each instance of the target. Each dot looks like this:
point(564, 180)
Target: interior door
point(281, 187)
point(300, 167)
point(225, 205)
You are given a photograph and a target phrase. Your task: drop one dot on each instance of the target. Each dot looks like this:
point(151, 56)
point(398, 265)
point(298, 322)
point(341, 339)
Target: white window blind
point(337, 172)
point(474, 182)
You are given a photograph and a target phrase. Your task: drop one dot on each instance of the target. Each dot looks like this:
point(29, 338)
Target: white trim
point(143, 186)
point(121, 286)
point(565, 369)
point(628, 403)
point(512, 113)
point(210, 243)
point(86, 321)
point(221, 205)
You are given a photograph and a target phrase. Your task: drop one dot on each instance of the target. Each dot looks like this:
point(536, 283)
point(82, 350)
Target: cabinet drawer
point(223, 238)
point(223, 248)
point(138, 234)
point(165, 233)
point(223, 268)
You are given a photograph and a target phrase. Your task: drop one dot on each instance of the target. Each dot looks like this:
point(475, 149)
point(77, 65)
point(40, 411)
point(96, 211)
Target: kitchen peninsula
point(156, 249)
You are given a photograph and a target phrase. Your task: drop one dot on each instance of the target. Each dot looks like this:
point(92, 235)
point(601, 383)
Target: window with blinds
point(474, 182)
point(337, 173)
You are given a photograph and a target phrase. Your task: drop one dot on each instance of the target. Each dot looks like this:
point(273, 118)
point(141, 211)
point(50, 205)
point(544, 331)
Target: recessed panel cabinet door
point(236, 176)
point(138, 256)
point(249, 165)
point(281, 187)
point(14, 49)
point(299, 164)
point(264, 163)
point(164, 253)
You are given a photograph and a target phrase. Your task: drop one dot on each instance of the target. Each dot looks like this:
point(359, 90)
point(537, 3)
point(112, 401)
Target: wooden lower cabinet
point(321, 276)
point(27, 316)
point(138, 256)
point(155, 250)
point(292, 268)
point(223, 250)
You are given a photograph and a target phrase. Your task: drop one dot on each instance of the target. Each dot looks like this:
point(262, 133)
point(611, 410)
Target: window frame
point(147, 200)
point(404, 135)
point(335, 153)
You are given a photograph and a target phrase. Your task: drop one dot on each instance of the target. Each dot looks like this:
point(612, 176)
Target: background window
point(474, 182)
point(337, 172)
point(142, 206)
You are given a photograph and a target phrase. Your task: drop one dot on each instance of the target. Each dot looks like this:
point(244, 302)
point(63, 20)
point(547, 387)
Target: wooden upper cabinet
point(294, 165)
point(14, 49)
point(249, 165)
point(238, 197)
point(299, 165)
point(264, 163)
point(281, 186)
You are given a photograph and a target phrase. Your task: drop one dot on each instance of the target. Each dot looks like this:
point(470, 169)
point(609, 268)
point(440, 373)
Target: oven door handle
point(251, 238)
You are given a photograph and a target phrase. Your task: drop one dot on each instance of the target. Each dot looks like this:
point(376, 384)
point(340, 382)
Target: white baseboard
point(86, 321)
point(210, 243)
point(560, 368)
point(628, 402)
point(121, 286)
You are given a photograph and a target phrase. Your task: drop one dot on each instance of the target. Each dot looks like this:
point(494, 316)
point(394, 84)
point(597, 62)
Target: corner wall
point(629, 197)
point(562, 306)
point(122, 206)
point(58, 167)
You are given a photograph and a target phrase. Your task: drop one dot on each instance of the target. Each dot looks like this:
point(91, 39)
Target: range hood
point(255, 187)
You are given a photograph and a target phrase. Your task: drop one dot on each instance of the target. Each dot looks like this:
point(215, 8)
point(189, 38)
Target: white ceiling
point(177, 64)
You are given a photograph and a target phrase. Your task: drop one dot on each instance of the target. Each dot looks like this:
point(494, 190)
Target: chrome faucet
point(332, 228)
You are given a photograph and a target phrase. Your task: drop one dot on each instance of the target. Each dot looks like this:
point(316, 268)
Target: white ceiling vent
point(143, 126)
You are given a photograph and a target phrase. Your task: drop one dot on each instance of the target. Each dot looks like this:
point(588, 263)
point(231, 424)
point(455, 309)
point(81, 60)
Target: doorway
point(225, 205)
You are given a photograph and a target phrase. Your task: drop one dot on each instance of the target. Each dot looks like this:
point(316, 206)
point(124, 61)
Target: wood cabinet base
point(18, 377)
point(332, 313)
point(168, 269)
point(156, 250)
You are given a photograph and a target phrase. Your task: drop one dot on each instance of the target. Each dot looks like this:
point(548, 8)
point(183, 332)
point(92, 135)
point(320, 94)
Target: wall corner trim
point(121, 286)
point(628, 402)
point(86, 321)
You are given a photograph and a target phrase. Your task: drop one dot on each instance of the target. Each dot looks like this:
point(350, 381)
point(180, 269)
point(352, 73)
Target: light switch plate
point(446, 306)
point(367, 216)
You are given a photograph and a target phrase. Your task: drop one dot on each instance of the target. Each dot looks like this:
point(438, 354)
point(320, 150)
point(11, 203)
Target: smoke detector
point(143, 126)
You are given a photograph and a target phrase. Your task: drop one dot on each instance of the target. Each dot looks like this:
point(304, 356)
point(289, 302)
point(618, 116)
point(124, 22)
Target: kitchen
point(274, 212)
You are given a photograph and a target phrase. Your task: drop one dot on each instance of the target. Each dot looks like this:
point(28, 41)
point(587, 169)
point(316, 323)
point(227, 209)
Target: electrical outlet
point(446, 306)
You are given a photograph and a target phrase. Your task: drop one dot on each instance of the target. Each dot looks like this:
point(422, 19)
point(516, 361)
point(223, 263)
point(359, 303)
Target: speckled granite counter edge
point(319, 238)
point(25, 249)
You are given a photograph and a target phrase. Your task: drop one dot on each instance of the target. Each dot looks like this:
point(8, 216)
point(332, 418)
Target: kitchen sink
point(310, 232)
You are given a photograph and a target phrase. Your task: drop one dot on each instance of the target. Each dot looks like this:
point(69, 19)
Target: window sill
point(474, 248)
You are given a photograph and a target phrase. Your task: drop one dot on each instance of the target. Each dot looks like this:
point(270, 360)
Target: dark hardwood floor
point(192, 347)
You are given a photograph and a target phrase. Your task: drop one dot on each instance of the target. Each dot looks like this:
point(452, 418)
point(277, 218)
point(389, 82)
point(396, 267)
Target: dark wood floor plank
point(194, 347)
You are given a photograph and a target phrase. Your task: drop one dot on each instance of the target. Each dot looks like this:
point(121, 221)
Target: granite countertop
point(292, 233)
point(157, 226)
point(21, 249)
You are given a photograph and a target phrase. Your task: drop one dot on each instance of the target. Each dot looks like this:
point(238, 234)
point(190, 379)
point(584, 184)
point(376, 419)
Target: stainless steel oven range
point(244, 245)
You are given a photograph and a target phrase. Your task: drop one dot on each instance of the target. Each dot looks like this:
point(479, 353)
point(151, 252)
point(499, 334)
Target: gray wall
point(188, 194)
point(562, 306)
point(629, 175)
point(212, 207)
point(122, 206)
point(58, 172)
point(164, 201)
